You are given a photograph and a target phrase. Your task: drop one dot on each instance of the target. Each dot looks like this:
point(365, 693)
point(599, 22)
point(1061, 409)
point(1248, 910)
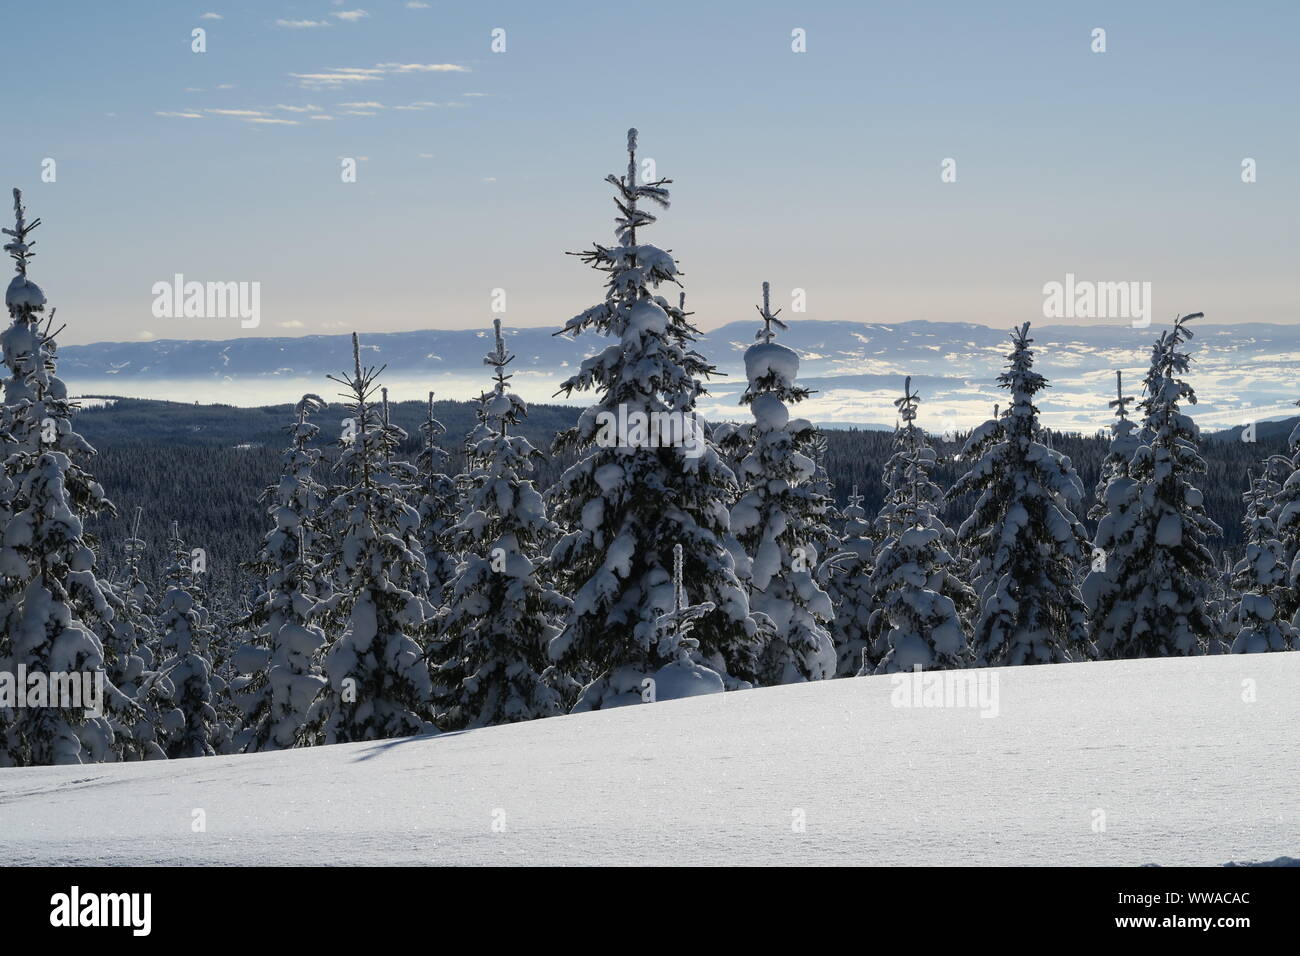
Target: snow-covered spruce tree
point(284, 678)
point(1150, 600)
point(1221, 606)
point(826, 533)
point(51, 600)
point(188, 682)
point(779, 517)
point(379, 684)
point(1260, 578)
point(910, 493)
point(909, 489)
point(130, 642)
point(500, 616)
point(1124, 442)
point(920, 605)
point(1286, 520)
point(1026, 547)
point(1114, 495)
point(629, 498)
point(442, 647)
point(437, 508)
point(846, 578)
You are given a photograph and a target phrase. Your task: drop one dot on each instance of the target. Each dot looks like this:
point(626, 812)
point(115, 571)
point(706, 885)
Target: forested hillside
point(204, 466)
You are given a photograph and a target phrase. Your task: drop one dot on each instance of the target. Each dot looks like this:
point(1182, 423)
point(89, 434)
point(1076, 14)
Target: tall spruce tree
point(500, 616)
point(628, 500)
point(191, 726)
point(1221, 606)
point(825, 533)
point(437, 508)
point(920, 605)
point(51, 600)
point(131, 656)
point(1026, 547)
point(379, 683)
point(1113, 497)
point(846, 578)
point(284, 678)
point(1260, 578)
point(1285, 514)
point(1124, 442)
point(779, 518)
point(1150, 598)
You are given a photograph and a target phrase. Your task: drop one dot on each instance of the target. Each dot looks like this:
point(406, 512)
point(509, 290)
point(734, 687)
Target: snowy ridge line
point(718, 779)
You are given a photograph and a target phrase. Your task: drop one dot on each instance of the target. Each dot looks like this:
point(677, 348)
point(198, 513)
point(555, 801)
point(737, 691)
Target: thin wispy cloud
point(178, 114)
point(302, 24)
point(423, 68)
point(309, 108)
point(236, 112)
point(342, 75)
point(366, 105)
point(416, 5)
point(211, 16)
point(270, 120)
point(339, 77)
point(351, 16)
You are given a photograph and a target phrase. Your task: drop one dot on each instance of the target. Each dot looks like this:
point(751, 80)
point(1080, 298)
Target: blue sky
point(816, 170)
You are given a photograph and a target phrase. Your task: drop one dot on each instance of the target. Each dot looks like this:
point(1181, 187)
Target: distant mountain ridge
point(825, 345)
point(1241, 372)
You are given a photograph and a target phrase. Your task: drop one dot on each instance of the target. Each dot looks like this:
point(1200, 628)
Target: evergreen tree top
point(771, 368)
point(630, 191)
point(501, 405)
point(907, 405)
point(23, 297)
point(1163, 422)
point(1020, 377)
point(765, 334)
point(20, 250)
point(1120, 402)
point(431, 456)
point(855, 509)
point(308, 405)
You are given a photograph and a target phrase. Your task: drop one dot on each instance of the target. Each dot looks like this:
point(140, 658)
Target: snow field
point(1185, 769)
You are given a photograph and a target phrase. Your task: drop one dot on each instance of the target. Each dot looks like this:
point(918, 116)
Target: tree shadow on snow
point(386, 745)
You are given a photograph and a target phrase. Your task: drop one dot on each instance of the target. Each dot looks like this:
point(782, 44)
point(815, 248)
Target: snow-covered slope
point(1185, 770)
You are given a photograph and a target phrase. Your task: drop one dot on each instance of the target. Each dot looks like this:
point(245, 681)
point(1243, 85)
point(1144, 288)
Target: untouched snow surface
point(1184, 769)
